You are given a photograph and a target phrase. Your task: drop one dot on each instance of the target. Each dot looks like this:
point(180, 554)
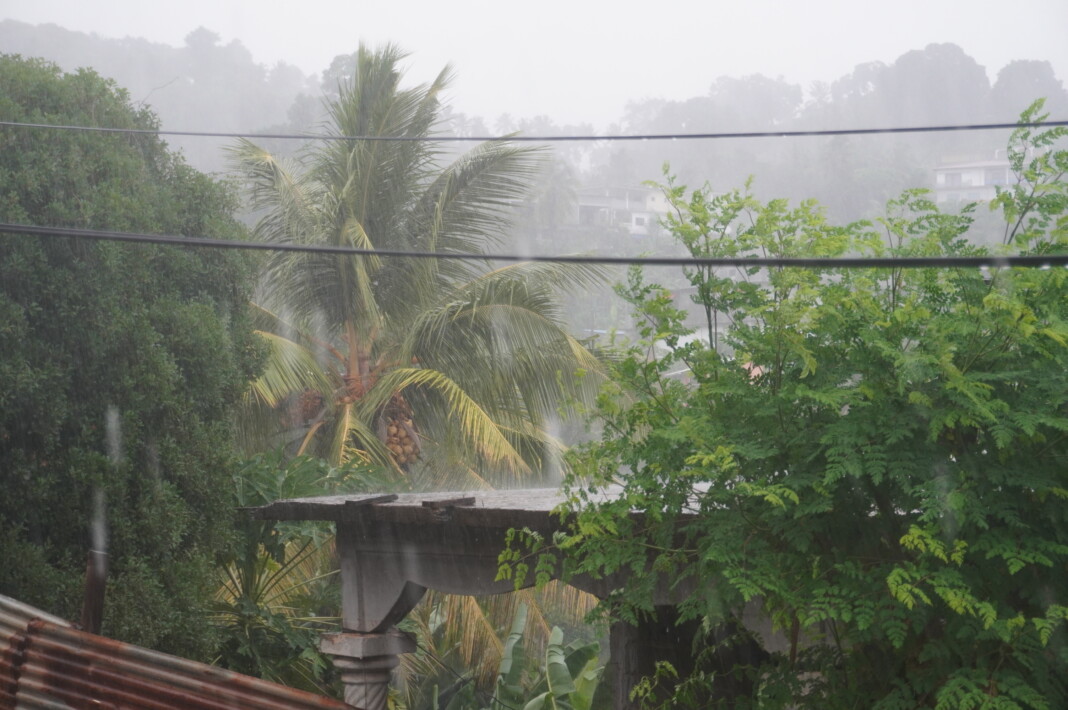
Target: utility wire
point(891, 262)
point(551, 139)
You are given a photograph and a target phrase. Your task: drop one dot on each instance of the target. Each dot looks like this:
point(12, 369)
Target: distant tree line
point(853, 176)
point(207, 85)
point(203, 85)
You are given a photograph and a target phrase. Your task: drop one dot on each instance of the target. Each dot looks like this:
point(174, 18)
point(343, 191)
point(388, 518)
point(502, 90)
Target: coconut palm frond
point(307, 439)
point(351, 439)
point(476, 638)
point(463, 210)
point(472, 423)
point(302, 334)
point(353, 234)
point(273, 185)
point(547, 276)
point(538, 368)
point(290, 369)
point(357, 276)
point(466, 205)
point(443, 472)
point(467, 632)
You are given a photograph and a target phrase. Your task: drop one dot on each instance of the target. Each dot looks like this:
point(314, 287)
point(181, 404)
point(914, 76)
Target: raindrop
point(98, 527)
point(554, 467)
point(113, 431)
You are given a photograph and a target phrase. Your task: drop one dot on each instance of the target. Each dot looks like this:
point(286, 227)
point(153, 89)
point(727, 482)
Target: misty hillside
point(205, 85)
point(200, 86)
point(594, 197)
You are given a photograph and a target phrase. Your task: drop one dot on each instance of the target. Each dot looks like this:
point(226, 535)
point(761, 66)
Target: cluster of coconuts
point(309, 404)
point(401, 440)
point(300, 408)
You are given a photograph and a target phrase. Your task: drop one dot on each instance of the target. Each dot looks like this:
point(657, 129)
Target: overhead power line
point(890, 262)
point(550, 139)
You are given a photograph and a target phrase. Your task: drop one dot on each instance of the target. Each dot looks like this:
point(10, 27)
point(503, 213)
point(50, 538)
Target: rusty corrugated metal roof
point(46, 663)
point(15, 618)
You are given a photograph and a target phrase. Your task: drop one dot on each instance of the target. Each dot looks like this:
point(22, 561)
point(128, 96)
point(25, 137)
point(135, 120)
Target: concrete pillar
point(365, 662)
point(634, 651)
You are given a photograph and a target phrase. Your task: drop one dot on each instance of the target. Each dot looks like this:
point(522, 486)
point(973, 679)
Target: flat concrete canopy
point(393, 547)
point(493, 508)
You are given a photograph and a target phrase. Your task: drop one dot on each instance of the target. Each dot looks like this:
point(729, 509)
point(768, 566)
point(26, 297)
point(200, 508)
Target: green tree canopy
point(121, 363)
point(875, 456)
point(441, 367)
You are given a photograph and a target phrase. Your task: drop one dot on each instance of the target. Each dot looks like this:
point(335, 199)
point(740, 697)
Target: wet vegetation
point(876, 456)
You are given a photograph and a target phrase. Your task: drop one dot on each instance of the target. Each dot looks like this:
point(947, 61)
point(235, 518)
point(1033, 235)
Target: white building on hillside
point(957, 183)
point(636, 210)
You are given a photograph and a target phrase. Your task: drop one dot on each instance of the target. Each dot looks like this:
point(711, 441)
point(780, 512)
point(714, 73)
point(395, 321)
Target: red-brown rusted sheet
point(14, 620)
point(48, 664)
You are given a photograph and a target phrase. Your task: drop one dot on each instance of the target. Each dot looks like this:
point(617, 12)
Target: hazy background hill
point(205, 85)
point(201, 86)
point(586, 200)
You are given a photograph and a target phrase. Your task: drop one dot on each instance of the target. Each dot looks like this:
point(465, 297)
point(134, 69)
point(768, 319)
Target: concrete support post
point(635, 650)
point(365, 662)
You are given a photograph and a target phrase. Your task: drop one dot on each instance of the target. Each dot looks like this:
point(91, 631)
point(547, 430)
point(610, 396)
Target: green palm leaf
point(478, 428)
point(290, 368)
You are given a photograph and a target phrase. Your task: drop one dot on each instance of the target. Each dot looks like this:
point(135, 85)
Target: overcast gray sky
point(581, 60)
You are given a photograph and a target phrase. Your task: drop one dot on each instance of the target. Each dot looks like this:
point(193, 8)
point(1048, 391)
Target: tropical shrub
point(874, 456)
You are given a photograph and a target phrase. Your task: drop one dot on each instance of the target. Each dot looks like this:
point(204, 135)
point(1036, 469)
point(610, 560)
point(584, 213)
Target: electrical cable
point(891, 262)
point(551, 139)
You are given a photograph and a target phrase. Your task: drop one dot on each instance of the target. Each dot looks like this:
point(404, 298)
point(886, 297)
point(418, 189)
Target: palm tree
point(442, 366)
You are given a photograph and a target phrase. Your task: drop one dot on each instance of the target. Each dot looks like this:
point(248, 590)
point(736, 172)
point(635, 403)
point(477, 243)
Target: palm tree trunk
point(358, 363)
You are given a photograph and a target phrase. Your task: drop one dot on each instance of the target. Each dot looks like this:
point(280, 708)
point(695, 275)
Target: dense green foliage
point(120, 363)
point(465, 641)
point(875, 456)
point(566, 678)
